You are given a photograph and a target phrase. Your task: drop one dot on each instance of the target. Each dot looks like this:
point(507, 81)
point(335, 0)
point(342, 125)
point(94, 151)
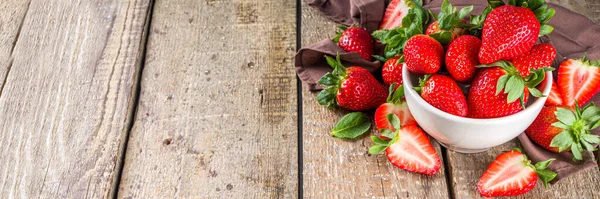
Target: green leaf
point(351, 126)
point(377, 149)
point(535, 92)
point(443, 37)
point(595, 125)
point(379, 58)
point(534, 4)
point(326, 98)
point(511, 83)
point(546, 176)
point(543, 164)
point(394, 120)
point(328, 79)
point(591, 138)
point(576, 150)
point(495, 3)
point(378, 141)
point(516, 91)
point(591, 113)
point(545, 30)
point(465, 11)
point(398, 94)
point(566, 116)
point(588, 146)
point(387, 133)
point(560, 125)
point(501, 83)
point(562, 141)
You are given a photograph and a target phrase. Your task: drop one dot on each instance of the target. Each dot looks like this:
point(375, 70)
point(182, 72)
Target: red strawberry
point(394, 13)
point(395, 105)
point(539, 56)
point(354, 39)
point(508, 32)
point(410, 150)
point(391, 72)
point(423, 55)
point(484, 99)
point(352, 88)
point(559, 129)
point(448, 23)
point(443, 93)
point(513, 174)
point(554, 98)
point(578, 80)
point(461, 58)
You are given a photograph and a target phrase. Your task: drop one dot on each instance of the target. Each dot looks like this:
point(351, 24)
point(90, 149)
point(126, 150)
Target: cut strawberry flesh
point(578, 81)
point(508, 175)
point(400, 110)
point(414, 152)
point(554, 98)
point(394, 13)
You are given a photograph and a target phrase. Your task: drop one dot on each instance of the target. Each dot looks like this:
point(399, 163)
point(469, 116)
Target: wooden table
point(192, 99)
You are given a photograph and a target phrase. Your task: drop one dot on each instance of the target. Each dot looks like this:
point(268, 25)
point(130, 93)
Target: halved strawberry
point(394, 13)
point(578, 80)
point(396, 104)
point(410, 149)
point(513, 174)
point(554, 98)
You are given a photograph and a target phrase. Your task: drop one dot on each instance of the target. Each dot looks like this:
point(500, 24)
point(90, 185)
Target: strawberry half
point(353, 88)
point(513, 174)
point(554, 98)
point(559, 129)
point(578, 80)
point(410, 149)
point(394, 13)
point(443, 93)
point(396, 104)
point(448, 24)
point(461, 58)
point(391, 72)
point(354, 39)
point(423, 55)
point(511, 30)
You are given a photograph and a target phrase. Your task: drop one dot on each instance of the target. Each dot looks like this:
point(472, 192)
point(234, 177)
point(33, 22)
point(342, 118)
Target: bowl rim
point(527, 111)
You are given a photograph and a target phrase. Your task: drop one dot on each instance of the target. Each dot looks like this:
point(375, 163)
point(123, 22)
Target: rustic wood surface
point(69, 96)
point(336, 168)
point(12, 13)
point(217, 116)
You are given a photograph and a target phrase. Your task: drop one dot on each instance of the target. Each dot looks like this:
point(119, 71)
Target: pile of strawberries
point(494, 55)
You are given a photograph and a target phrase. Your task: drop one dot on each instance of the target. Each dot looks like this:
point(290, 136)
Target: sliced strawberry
point(394, 13)
point(396, 104)
point(554, 98)
point(412, 151)
point(512, 174)
point(578, 80)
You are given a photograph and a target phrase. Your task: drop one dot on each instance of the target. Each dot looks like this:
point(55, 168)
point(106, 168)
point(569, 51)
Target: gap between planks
point(299, 101)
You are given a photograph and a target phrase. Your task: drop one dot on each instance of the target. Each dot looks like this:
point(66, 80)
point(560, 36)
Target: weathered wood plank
point(12, 13)
point(218, 103)
point(69, 97)
point(335, 168)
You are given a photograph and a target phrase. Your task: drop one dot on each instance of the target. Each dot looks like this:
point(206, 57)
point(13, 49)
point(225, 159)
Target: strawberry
point(395, 105)
point(395, 38)
point(410, 149)
point(461, 58)
point(554, 98)
point(423, 55)
point(539, 56)
point(578, 80)
point(512, 174)
point(486, 99)
point(394, 13)
point(391, 72)
point(353, 88)
point(511, 30)
point(354, 39)
point(443, 93)
point(448, 24)
point(560, 128)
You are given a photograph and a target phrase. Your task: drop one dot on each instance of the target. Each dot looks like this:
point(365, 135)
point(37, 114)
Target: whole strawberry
point(512, 174)
point(461, 58)
point(578, 80)
point(443, 93)
point(560, 128)
point(540, 55)
point(485, 101)
point(423, 55)
point(511, 30)
point(396, 105)
point(391, 72)
point(354, 39)
point(352, 88)
point(448, 24)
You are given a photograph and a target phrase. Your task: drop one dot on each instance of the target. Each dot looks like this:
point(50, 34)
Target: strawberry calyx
point(539, 8)
point(331, 82)
point(588, 62)
point(448, 19)
point(422, 82)
point(380, 144)
point(475, 25)
point(412, 24)
point(396, 96)
point(577, 125)
point(340, 31)
point(514, 84)
point(540, 168)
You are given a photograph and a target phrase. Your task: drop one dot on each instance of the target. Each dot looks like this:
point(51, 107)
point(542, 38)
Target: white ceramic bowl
point(468, 135)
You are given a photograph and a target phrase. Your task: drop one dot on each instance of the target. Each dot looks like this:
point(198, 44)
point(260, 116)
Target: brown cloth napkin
point(574, 35)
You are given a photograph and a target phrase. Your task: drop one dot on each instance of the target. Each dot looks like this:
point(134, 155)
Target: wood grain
point(12, 13)
point(335, 168)
point(217, 116)
point(68, 98)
